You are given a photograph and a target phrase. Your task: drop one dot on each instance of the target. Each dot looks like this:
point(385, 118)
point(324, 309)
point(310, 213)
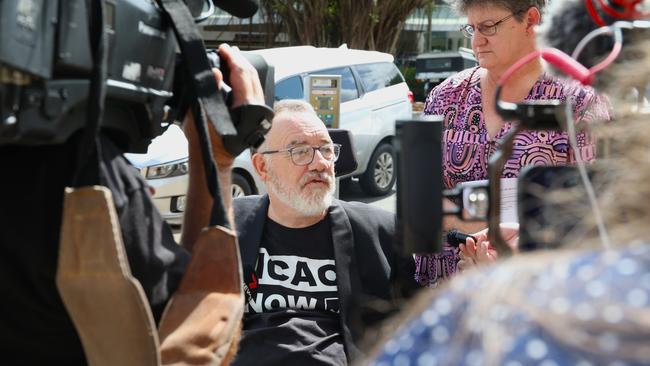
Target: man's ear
point(260, 165)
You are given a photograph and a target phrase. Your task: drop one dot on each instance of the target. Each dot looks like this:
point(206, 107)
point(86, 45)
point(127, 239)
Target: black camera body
point(46, 65)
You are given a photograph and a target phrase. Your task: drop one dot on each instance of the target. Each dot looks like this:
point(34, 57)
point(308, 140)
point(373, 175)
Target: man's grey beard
point(304, 201)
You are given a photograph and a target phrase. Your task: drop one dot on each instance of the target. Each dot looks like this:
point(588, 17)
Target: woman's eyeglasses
point(487, 28)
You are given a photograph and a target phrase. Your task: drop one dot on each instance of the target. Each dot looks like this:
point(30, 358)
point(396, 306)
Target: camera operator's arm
point(246, 89)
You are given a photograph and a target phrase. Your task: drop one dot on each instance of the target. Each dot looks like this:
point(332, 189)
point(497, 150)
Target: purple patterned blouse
point(467, 146)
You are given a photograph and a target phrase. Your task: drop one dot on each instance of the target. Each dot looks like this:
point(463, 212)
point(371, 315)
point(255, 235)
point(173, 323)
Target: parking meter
point(324, 93)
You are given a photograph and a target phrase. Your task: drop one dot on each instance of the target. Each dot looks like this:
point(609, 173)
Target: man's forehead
point(293, 128)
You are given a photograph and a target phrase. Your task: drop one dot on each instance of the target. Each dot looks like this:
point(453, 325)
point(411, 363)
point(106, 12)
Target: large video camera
point(46, 64)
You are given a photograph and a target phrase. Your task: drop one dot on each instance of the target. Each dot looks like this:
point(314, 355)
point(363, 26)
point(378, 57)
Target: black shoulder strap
point(87, 167)
point(197, 66)
point(204, 97)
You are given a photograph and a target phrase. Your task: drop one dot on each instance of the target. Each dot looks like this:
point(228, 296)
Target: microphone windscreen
point(566, 23)
point(238, 8)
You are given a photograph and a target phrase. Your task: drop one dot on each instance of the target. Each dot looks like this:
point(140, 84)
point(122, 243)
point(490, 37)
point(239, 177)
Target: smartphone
point(551, 205)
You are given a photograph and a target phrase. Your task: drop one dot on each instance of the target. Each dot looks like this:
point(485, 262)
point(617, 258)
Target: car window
point(290, 88)
point(468, 63)
point(349, 89)
point(438, 64)
point(378, 75)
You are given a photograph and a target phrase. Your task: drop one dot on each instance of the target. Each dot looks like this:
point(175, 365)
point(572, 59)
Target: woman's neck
point(521, 79)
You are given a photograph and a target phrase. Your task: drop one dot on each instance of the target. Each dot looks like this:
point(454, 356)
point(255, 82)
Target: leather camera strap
point(106, 303)
point(203, 318)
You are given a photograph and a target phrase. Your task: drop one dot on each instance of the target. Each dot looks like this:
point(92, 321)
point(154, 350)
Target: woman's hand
point(481, 251)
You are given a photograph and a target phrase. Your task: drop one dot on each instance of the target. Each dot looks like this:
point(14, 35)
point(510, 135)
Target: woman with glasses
point(585, 303)
point(502, 32)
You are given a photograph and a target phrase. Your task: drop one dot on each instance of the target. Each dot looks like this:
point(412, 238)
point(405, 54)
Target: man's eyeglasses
point(487, 28)
point(304, 155)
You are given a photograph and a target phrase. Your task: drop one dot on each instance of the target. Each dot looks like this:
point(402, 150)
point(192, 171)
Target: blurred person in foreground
point(320, 270)
point(583, 304)
point(502, 32)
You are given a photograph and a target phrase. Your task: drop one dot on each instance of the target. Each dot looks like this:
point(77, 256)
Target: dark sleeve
point(35, 325)
point(156, 260)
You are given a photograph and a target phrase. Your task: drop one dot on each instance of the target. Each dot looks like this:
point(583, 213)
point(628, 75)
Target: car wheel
point(379, 178)
point(240, 186)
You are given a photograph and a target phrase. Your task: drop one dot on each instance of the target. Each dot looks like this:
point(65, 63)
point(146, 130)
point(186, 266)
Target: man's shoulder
point(249, 209)
point(247, 202)
point(362, 207)
point(365, 212)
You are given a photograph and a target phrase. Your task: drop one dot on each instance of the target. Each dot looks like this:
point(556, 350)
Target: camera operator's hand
point(244, 80)
point(223, 159)
point(246, 89)
point(481, 251)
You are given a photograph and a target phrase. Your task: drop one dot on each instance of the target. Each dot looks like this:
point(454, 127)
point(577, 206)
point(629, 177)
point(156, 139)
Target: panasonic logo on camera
point(150, 31)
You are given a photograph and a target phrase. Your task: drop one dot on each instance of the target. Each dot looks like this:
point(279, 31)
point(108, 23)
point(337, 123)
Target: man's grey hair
point(289, 105)
point(292, 105)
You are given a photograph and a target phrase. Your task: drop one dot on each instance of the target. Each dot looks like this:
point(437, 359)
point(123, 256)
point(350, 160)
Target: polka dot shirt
point(559, 308)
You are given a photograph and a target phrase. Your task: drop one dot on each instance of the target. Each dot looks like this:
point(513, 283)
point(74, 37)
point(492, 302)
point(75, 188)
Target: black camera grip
point(252, 121)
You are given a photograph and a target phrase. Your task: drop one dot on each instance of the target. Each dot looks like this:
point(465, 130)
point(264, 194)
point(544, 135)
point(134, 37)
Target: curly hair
point(516, 7)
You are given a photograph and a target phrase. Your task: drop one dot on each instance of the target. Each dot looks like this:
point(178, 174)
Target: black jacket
point(370, 275)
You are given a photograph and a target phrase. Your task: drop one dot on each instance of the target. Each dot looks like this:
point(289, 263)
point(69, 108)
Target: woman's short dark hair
point(516, 7)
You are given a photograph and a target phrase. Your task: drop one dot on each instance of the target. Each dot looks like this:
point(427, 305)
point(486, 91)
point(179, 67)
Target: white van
point(373, 96)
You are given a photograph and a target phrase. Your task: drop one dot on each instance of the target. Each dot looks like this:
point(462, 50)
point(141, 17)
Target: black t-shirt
point(34, 325)
point(293, 315)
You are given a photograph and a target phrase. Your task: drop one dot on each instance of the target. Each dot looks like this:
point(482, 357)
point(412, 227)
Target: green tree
point(362, 24)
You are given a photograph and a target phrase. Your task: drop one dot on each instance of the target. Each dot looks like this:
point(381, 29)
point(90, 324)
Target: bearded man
point(318, 271)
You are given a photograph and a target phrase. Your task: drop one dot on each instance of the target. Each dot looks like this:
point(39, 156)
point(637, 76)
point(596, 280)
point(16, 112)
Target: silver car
point(165, 168)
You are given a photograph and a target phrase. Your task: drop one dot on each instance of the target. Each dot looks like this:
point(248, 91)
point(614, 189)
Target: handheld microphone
point(455, 238)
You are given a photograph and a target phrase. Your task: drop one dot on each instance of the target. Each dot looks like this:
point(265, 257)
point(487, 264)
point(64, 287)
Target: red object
point(253, 283)
point(152, 190)
point(565, 63)
point(410, 95)
point(568, 65)
point(591, 9)
point(556, 58)
point(629, 10)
